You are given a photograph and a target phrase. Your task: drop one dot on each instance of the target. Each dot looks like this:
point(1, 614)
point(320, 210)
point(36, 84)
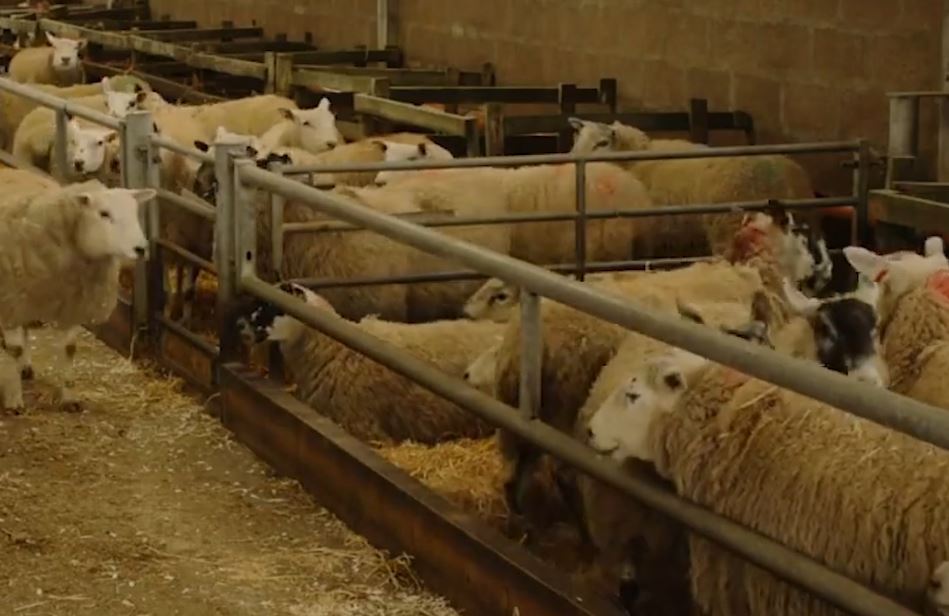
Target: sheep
point(365, 398)
point(577, 345)
point(313, 130)
point(914, 317)
point(619, 528)
point(480, 373)
point(58, 64)
point(386, 148)
point(86, 145)
point(496, 300)
point(795, 470)
point(252, 115)
point(700, 180)
point(61, 257)
point(938, 594)
point(844, 330)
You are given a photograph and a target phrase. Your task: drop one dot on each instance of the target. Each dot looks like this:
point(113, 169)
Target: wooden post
point(903, 144)
point(942, 168)
point(384, 19)
point(698, 120)
point(568, 107)
point(279, 73)
point(493, 130)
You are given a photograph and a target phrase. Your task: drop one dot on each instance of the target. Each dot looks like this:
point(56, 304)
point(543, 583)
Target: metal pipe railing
point(186, 254)
point(544, 159)
point(670, 210)
point(174, 146)
point(922, 421)
point(195, 206)
point(54, 102)
point(755, 547)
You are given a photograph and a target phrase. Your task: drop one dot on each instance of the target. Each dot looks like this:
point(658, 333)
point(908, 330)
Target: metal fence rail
point(922, 421)
point(235, 261)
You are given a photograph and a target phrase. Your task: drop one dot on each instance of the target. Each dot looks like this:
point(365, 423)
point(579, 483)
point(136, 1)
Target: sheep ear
point(866, 262)
point(933, 246)
point(201, 145)
point(111, 136)
point(251, 151)
point(84, 199)
point(51, 39)
point(81, 44)
point(324, 104)
point(423, 149)
point(689, 313)
point(575, 123)
point(140, 96)
point(142, 195)
point(286, 113)
point(800, 304)
point(106, 85)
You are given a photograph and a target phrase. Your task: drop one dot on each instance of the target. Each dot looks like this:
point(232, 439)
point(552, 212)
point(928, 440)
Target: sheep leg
point(68, 399)
point(17, 343)
point(11, 384)
point(188, 291)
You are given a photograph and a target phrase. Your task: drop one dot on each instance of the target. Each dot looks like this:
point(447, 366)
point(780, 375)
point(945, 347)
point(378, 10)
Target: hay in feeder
point(469, 473)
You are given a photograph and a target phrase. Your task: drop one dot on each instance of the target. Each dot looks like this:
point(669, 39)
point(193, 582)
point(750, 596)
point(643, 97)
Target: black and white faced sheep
point(370, 401)
point(845, 330)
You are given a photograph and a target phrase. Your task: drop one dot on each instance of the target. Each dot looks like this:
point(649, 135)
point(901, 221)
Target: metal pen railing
point(922, 421)
point(235, 261)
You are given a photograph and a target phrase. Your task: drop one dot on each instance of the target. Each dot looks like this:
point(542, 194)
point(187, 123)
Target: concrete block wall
point(806, 69)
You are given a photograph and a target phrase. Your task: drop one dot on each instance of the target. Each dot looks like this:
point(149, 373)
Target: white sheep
point(251, 115)
point(58, 64)
point(800, 472)
point(938, 593)
point(699, 181)
point(313, 130)
point(480, 373)
point(368, 400)
point(60, 259)
point(87, 144)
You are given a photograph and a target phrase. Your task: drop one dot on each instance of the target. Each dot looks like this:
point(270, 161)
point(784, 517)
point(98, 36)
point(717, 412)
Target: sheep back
point(14, 108)
point(377, 405)
point(864, 500)
point(253, 115)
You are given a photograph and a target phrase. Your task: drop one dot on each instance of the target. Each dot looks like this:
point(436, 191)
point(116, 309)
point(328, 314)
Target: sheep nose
point(79, 165)
point(589, 434)
point(65, 61)
point(140, 251)
point(467, 376)
point(330, 144)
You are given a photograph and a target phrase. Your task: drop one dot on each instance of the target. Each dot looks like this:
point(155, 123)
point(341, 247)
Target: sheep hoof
point(26, 373)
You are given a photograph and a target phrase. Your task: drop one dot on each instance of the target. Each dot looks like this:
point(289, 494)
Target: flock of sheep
point(867, 501)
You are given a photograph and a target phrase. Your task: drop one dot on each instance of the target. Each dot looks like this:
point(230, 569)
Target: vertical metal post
point(383, 18)
point(531, 355)
point(277, 203)
point(493, 130)
point(862, 184)
point(60, 160)
point(580, 227)
point(139, 172)
point(245, 239)
point(224, 244)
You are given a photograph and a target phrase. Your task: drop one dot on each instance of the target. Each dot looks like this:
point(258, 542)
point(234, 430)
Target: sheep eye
point(105, 215)
point(306, 122)
point(501, 297)
point(100, 142)
point(673, 381)
point(602, 144)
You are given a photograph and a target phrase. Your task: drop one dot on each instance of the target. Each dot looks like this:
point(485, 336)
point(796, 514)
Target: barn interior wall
point(806, 69)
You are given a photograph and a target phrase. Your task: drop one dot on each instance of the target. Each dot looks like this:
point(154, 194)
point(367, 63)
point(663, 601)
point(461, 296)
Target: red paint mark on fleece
point(733, 378)
point(604, 186)
point(938, 283)
point(748, 241)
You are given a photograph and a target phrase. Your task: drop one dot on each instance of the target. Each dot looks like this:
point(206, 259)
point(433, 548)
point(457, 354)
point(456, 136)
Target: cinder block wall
point(806, 69)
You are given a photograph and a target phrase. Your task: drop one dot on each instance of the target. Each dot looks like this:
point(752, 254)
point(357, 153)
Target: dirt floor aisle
point(144, 505)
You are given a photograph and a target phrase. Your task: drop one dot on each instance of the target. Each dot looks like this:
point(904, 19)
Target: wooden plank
point(404, 113)
point(553, 123)
point(698, 120)
point(396, 76)
point(937, 191)
point(254, 47)
point(203, 34)
point(321, 80)
point(924, 215)
point(389, 56)
point(476, 568)
point(171, 90)
point(481, 95)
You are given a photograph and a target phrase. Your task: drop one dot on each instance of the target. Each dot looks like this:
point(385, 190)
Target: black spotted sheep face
point(811, 252)
point(845, 336)
point(263, 321)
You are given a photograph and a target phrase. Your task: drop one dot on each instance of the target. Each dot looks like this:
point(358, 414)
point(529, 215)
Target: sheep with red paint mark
point(697, 181)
